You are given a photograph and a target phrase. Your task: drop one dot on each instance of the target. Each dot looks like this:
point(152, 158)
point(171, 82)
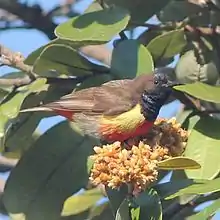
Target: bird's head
point(154, 98)
point(163, 78)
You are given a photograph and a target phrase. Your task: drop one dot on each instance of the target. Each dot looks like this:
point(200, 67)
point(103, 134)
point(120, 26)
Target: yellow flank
point(124, 122)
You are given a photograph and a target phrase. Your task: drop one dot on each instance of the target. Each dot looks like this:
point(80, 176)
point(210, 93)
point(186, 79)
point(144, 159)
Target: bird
point(117, 110)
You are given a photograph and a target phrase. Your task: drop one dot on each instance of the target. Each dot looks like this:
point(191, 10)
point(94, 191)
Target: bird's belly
point(127, 125)
point(110, 134)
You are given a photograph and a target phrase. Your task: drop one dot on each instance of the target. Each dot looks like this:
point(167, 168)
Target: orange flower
point(137, 166)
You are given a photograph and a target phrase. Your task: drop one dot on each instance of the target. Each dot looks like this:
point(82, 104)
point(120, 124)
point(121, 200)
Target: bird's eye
point(156, 82)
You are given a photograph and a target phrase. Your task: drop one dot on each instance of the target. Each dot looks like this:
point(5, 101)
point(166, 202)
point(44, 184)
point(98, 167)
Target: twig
point(15, 82)
point(15, 59)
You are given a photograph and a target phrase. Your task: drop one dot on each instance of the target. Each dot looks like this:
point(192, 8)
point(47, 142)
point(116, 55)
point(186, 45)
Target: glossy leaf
point(206, 212)
point(167, 45)
point(96, 80)
point(150, 205)
point(104, 212)
point(81, 202)
point(10, 109)
point(53, 169)
point(97, 210)
point(178, 163)
point(176, 11)
point(135, 213)
point(19, 216)
point(130, 59)
point(64, 59)
point(21, 134)
point(31, 58)
point(169, 188)
point(123, 211)
point(190, 122)
point(116, 197)
point(149, 35)
point(182, 116)
point(140, 10)
point(201, 91)
point(203, 147)
point(199, 188)
point(94, 27)
point(95, 6)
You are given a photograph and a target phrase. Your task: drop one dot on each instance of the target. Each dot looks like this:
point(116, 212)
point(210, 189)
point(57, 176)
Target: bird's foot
point(131, 142)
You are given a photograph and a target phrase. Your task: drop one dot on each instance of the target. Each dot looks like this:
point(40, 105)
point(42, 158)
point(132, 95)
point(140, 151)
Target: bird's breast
point(126, 125)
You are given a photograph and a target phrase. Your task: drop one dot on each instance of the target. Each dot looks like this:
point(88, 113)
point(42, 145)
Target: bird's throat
point(152, 101)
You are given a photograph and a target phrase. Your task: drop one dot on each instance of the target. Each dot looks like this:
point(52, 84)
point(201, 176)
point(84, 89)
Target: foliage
point(55, 165)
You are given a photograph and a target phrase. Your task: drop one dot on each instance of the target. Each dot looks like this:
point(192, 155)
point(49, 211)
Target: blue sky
point(25, 41)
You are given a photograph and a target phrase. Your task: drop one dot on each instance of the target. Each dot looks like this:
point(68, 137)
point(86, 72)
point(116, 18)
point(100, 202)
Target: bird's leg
point(130, 142)
point(126, 144)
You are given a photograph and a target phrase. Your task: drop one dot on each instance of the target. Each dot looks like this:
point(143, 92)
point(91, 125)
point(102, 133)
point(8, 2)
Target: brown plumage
point(116, 110)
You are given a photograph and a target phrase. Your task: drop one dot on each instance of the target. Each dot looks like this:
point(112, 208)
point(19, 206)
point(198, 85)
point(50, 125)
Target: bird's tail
point(37, 109)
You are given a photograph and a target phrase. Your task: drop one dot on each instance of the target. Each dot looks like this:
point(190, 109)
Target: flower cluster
point(115, 165)
point(169, 135)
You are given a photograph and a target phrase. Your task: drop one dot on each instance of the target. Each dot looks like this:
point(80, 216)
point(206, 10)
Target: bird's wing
point(111, 98)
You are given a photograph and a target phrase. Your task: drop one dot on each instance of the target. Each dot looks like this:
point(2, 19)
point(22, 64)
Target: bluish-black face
point(154, 99)
point(164, 78)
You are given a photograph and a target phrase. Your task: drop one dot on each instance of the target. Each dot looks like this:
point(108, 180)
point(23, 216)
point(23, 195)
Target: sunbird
point(117, 110)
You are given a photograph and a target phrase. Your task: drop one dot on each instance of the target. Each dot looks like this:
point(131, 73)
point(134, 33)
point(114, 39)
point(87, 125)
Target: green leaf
point(98, 210)
point(140, 10)
point(10, 109)
point(209, 186)
point(94, 27)
point(203, 147)
point(178, 163)
point(135, 213)
point(149, 35)
point(96, 80)
point(21, 134)
point(183, 116)
point(167, 45)
point(101, 212)
point(201, 91)
point(116, 197)
point(130, 58)
point(66, 60)
point(169, 188)
point(123, 211)
point(206, 212)
point(53, 169)
point(95, 6)
point(190, 122)
point(18, 216)
point(176, 11)
point(30, 60)
point(150, 205)
point(81, 202)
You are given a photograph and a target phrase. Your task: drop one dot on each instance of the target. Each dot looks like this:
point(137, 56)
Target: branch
point(15, 82)
point(176, 209)
point(37, 19)
point(15, 60)
point(33, 15)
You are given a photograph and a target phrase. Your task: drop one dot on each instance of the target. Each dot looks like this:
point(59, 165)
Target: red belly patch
point(113, 134)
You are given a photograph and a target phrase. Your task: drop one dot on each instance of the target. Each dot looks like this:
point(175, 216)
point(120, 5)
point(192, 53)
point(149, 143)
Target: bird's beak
point(170, 74)
point(172, 83)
